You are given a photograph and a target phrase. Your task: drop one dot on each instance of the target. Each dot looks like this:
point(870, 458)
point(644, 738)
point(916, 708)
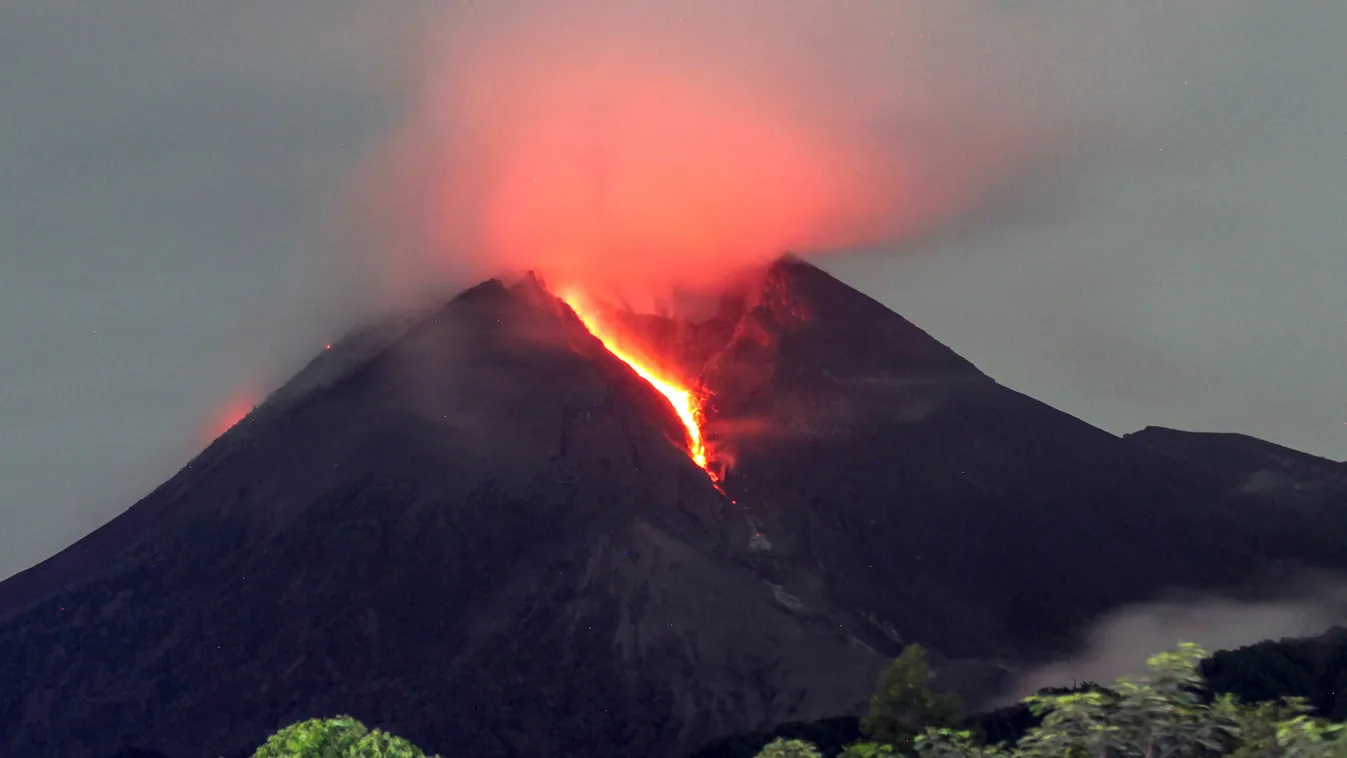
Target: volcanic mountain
point(482, 530)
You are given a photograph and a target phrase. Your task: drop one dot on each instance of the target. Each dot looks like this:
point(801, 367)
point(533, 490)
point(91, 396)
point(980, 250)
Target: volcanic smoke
point(637, 152)
point(641, 148)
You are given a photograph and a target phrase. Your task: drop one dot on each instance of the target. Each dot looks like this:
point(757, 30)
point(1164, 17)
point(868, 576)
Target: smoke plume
point(642, 147)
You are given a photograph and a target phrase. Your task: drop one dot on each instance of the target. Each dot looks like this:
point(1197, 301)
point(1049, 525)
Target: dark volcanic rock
point(481, 538)
point(480, 530)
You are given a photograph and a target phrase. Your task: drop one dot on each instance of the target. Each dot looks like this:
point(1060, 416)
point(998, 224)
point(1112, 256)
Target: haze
point(1130, 211)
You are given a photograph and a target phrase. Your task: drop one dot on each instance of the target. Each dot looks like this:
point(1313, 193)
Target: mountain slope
point(482, 538)
point(481, 531)
point(1286, 495)
point(1239, 463)
point(160, 509)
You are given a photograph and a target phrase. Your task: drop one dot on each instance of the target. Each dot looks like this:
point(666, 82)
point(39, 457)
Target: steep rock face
point(483, 538)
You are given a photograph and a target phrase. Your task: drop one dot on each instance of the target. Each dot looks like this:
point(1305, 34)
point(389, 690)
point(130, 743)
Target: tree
point(340, 737)
point(869, 750)
point(316, 738)
point(903, 705)
point(1305, 737)
point(951, 743)
point(1075, 725)
point(379, 744)
point(1163, 715)
point(1258, 725)
point(783, 748)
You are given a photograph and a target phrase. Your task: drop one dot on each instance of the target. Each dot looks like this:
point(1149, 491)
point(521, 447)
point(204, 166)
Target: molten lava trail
point(684, 401)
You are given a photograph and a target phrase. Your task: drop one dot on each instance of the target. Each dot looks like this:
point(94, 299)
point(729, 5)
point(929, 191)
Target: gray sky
point(168, 172)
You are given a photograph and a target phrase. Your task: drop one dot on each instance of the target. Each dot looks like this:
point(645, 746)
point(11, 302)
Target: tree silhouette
point(903, 704)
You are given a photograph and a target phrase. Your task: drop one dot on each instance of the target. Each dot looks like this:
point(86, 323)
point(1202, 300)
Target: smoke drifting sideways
point(640, 148)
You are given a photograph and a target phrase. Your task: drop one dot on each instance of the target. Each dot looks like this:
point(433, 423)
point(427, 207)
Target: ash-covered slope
point(481, 538)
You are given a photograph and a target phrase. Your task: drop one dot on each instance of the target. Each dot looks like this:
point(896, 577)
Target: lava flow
point(684, 401)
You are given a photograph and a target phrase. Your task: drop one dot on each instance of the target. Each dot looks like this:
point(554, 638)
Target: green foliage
point(1258, 724)
point(1304, 737)
point(783, 748)
point(903, 704)
point(1163, 715)
point(379, 744)
point(830, 736)
point(340, 737)
point(868, 750)
point(315, 738)
point(1256, 702)
point(1074, 724)
point(953, 743)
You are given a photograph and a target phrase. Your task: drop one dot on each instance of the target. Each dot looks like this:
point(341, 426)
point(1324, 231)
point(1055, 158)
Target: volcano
point(484, 530)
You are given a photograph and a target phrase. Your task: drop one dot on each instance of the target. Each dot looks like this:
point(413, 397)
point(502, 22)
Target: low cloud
point(1119, 643)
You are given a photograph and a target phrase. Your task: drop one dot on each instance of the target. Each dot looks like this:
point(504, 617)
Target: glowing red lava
point(686, 403)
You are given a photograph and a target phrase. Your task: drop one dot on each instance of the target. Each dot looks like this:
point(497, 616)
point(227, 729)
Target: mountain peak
point(833, 324)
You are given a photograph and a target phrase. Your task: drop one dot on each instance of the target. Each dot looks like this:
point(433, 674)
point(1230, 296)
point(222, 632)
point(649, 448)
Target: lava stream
point(684, 401)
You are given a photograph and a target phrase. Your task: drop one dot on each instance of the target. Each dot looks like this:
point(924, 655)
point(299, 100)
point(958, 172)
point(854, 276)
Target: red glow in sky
point(661, 180)
point(633, 148)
